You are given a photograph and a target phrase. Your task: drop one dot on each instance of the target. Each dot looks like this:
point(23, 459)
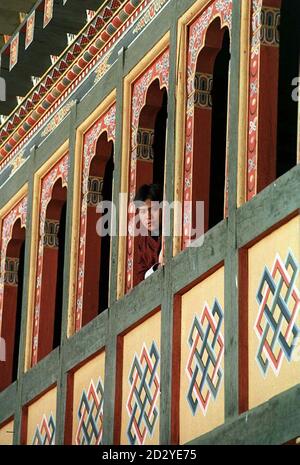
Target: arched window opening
point(210, 125)
point(19, 310)
point(151, 145)
point(159, 143)
point(52, 273)
point(98, 249)
point(60, 275)
point(219, 132)
point(12, 304)
point(152, 137)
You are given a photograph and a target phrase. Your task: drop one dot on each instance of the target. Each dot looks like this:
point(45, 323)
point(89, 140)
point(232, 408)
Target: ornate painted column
point(263, 95)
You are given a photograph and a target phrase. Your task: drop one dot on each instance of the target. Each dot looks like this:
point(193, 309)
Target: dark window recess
point(288, 71)
point(60, 277)
point(219, 133)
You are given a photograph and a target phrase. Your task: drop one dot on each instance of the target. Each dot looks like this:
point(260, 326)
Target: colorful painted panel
point(141, 384)
point(202, 358)
point(48, 12)
point(41, 420)
point(88, 396)
point(29, 29)
point(274, 313)
point(6, 434)
point(14, 52)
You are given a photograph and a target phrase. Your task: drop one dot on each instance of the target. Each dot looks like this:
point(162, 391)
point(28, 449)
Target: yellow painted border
point(81, 130)
point(39, 174)
point(179, 131)
point(146, 61)
point(245, 45)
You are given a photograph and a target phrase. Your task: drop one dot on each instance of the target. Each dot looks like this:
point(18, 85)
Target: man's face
point(149, 213)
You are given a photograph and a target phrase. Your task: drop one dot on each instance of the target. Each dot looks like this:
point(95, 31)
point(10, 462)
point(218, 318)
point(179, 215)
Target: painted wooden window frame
point(103, 119)
point(151, 67)
point(57, 166)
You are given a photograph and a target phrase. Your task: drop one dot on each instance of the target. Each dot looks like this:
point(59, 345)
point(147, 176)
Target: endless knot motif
point(204, 362)
point(144, 392)
point(45, 433)
point(279, 304)
point(90, 415)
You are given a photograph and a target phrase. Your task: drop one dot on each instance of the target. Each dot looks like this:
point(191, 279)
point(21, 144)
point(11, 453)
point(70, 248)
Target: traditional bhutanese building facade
point(200, 96)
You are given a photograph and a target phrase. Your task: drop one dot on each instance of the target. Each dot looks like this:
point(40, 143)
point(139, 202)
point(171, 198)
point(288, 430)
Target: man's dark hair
point(149, 191)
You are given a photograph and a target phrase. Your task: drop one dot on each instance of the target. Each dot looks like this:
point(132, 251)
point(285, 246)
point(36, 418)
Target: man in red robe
point(149, 255)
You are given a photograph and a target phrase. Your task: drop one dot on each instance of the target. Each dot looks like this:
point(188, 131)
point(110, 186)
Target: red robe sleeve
point(141, 265)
